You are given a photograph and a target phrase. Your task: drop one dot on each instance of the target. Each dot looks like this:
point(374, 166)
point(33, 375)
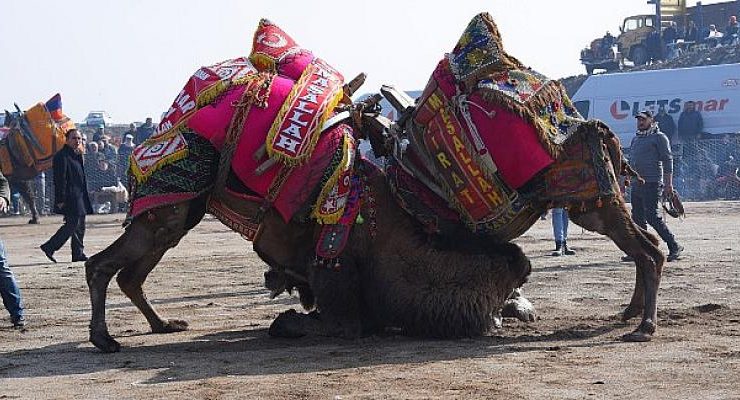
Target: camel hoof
point(637, 336)
point(519, 308)
point(288, 324)
point(105, 342)
point(170, 326)
point(629, 313)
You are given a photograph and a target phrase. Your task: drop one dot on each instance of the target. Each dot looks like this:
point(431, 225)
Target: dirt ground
point(214, 280)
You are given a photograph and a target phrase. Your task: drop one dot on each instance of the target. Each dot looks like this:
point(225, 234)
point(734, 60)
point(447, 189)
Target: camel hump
point(480, 52)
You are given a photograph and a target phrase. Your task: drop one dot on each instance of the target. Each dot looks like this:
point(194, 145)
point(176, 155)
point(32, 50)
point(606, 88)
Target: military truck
point(600, 55)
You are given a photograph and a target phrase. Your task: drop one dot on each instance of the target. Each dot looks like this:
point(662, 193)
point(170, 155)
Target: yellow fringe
point(209, 94)
point(142, 176)
point(333, 181)
point(263, 62)
point(331, 104)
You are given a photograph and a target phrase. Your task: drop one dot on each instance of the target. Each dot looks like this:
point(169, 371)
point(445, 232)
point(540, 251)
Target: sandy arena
point(214, 280)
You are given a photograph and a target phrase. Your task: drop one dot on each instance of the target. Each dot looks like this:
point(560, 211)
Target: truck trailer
point(616, 98)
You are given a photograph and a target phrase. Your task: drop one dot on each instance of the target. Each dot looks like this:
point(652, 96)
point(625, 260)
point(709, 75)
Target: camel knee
point(128, 283)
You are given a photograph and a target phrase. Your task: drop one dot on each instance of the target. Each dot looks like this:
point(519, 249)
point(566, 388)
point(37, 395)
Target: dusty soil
point(214, 280)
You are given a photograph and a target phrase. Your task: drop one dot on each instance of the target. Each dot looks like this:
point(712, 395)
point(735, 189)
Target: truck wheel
point(639, 55)
point(589, 69)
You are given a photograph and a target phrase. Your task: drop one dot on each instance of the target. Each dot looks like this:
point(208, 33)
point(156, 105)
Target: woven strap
point(255, 93)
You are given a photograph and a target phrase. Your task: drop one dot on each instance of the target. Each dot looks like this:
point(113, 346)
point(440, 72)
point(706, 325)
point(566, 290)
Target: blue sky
point(132, 57)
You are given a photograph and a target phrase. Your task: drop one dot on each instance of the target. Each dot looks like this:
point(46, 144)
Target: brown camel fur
point(402, 281)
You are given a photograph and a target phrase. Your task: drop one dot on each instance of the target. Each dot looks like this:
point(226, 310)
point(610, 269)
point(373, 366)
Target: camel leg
point(136, 253)
point(28, 193)
point(614, 221)
point(131, 279)
point(99, 270)
point(337, 292)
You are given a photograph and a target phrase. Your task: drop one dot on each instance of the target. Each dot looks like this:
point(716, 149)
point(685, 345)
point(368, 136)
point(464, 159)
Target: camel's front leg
point(613, 220)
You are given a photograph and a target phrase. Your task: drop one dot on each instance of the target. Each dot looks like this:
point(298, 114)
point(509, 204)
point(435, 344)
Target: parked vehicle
point(639, 40)
point(616, 98)
point(98, 118)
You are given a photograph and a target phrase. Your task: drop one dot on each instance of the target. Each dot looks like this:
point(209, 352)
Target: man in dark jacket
point(690, 123)
point(144, 132)
point(9, 290)
point(666, 124)
point(650, 156)
point(70, 198)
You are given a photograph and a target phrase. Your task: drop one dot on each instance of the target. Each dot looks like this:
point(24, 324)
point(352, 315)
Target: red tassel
point(583, 206)
point(599, 203)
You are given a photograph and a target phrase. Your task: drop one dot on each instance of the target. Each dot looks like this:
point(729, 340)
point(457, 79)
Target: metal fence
point(706, 169)
point(103, 201)
point(703, 170)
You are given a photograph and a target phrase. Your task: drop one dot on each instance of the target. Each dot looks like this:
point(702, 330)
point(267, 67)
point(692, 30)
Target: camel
point(33, 138)
point(394, 272)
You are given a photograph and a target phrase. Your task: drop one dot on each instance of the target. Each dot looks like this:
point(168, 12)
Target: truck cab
point(632, 41)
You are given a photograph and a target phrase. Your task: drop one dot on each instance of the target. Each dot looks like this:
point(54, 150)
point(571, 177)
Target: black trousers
point(74, 228)
point(645, 202)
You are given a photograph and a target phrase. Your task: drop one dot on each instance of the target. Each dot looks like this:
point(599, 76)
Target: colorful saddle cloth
point(488, 125)
point(38, 134)
point(282, 152)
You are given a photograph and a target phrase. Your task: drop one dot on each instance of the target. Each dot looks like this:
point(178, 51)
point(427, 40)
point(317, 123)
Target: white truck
point(616, 98)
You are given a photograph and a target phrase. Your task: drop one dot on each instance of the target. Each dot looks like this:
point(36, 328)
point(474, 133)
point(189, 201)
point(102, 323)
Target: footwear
point(628, 259)
point(674, 254)
point(566, 250)
point(558, 250)
point(33, 221)
point(80, 258)
point(18, 322)
point(49, 254)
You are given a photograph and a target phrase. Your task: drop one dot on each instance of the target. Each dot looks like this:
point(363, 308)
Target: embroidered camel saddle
point(34, 136)
point(487, 130)
point(267, 114)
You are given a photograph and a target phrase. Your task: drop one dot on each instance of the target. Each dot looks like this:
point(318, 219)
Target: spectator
point(650, 156)
point(70, 198)
point(670, 33)
point(692, 34)
point(101, 175)
point(9, 290)
point(690, 124)
point(713, 37)
point(131, 131)
point(606, 44)
point(99, 132)
point(731, 30)
point(702, 173)
point(124, 152)
point(727, 149)
point(109, 151)
point(654, 46)
point(560, 232)
point(91, 154)
point(666, 123)
point(144, 131)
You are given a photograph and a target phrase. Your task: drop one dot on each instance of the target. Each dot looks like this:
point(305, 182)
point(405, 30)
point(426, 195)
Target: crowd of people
point(666, 44)
point(106, 164)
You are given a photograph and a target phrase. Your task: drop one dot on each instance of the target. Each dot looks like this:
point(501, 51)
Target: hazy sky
point(132, 57)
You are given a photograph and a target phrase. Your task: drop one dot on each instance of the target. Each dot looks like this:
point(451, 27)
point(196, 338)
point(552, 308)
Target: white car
point(98, 118)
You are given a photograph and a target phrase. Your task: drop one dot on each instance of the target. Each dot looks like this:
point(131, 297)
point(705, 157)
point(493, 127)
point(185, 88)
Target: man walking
point(650, 156)
point(9, 290)
point(70, 198)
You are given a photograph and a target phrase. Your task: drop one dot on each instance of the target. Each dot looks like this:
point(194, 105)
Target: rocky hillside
point(694, 58)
